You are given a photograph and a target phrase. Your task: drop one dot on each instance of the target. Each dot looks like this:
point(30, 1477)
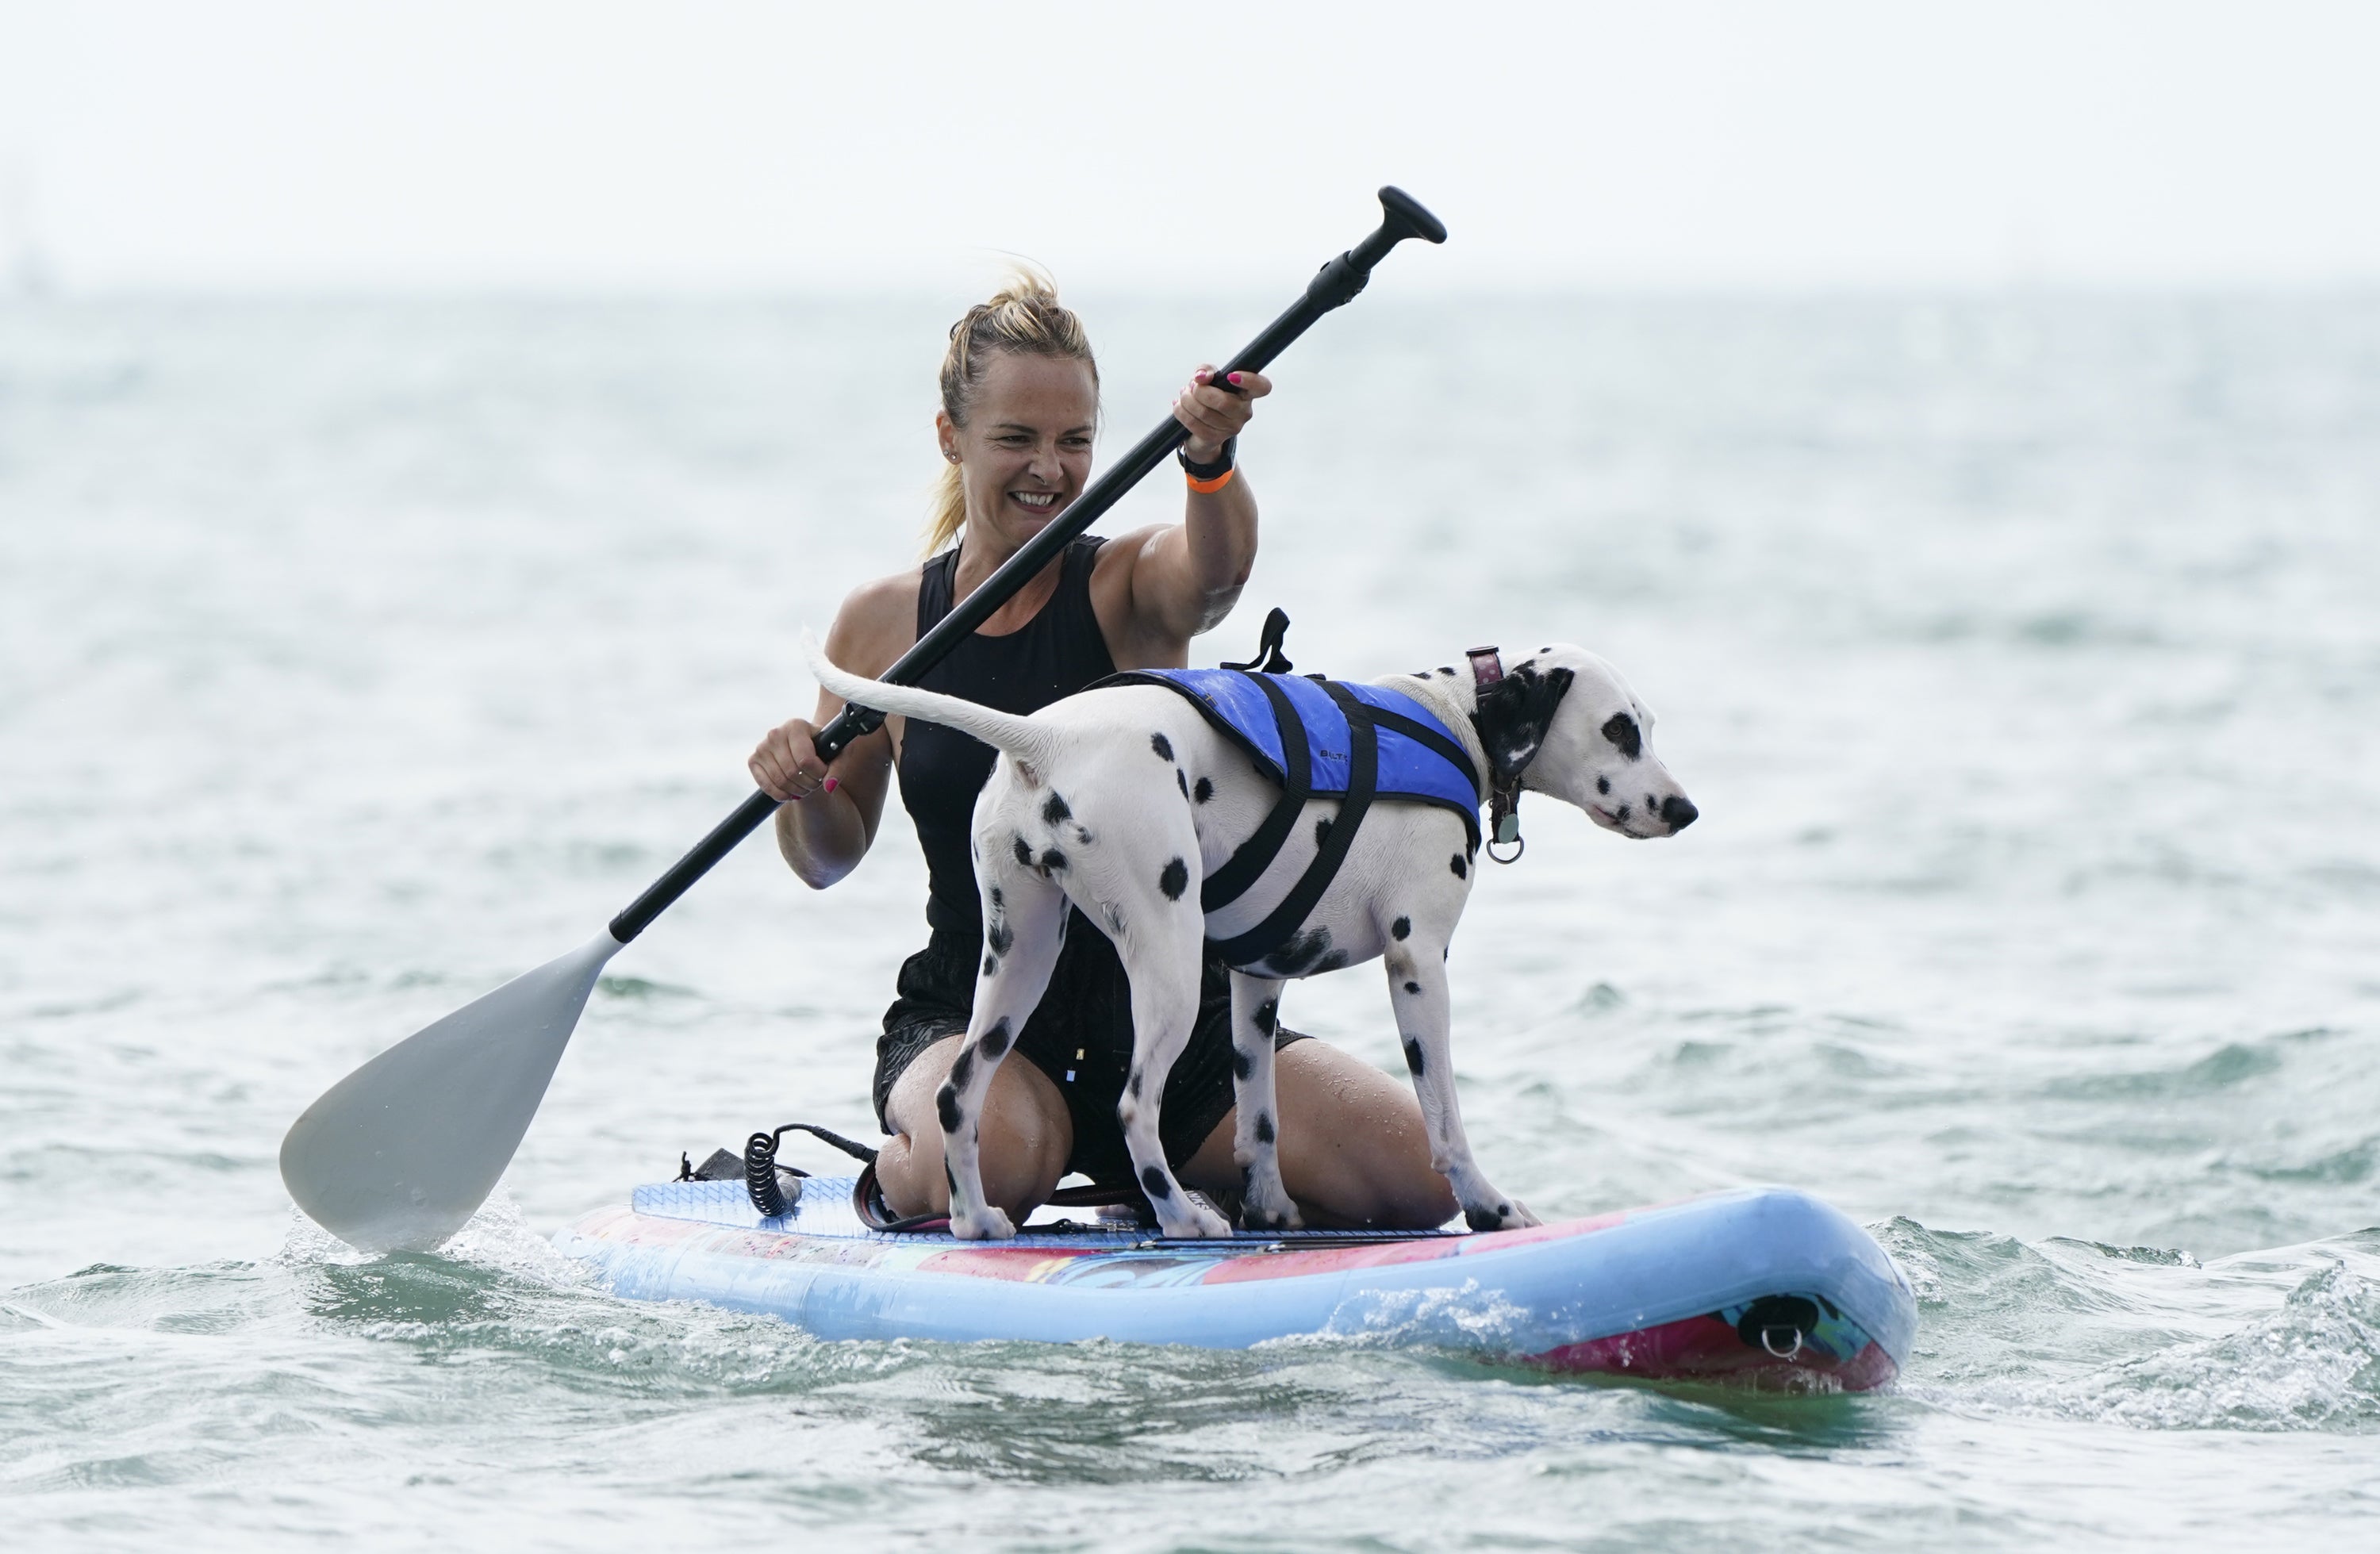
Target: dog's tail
point(1020, 737)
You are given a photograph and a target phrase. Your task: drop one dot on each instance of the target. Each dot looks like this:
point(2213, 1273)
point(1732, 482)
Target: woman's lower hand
point(786, 765)
point(1214, 413)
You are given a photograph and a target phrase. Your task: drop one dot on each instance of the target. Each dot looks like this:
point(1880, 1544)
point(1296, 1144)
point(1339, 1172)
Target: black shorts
point(1080, 1037)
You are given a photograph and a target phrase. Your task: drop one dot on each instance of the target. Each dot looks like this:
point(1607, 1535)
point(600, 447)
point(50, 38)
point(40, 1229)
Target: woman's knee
point(1023, 1137)
point(1354, 1146)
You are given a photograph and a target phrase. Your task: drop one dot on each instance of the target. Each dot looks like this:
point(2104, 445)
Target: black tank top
point(1057, 653)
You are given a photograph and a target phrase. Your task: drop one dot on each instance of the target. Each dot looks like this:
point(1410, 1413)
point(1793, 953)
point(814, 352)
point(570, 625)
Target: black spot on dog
point(1401, 928)
point(1651, 804)
point(1413, 1057)
point(1447, 670)
point(1621, 814)
point(990, 965)
point(1204, 791)
point(946, 1106)
point(952, 1178)
point(997, 899)
point(1331, 961)
point(1482, 1220)
point(1264, 1127)
point(962, 1069)
point(1053, 810)
point(1603, 785)
point(1243, 1062)
point(1000, 936)
point(1152, 1182)
point(1462, 870)
point(1621, 729)
point(1321, 832)
point(1023, 852)
point(1267, 1015)
point(1053, 861)
point(1297, 957)
point(1181, 781)
point(1412, 987)
point(1134, 1085)
point(995, 1040)
point(1175, 879)
point(1162, 746)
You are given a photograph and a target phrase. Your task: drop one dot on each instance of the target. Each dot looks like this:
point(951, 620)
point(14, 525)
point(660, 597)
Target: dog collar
point(1503, 797)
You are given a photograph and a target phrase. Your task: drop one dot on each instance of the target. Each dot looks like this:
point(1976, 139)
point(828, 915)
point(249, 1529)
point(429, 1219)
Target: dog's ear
point(1513, 714)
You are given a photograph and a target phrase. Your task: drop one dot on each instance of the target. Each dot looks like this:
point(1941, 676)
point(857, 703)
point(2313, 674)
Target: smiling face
point(1025, 452)
point(1598, 750)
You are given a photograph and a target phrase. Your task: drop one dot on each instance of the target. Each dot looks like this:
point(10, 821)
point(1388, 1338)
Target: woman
point(1019, 409)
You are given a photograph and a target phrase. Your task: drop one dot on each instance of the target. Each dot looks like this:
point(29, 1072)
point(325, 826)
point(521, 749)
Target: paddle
point(401, 1152)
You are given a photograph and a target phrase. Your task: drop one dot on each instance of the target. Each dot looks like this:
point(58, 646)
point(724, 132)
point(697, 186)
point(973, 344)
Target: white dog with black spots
point(1121, 799)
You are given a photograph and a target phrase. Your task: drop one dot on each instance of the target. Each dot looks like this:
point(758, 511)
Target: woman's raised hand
point(1215, 413)
point(786, 765)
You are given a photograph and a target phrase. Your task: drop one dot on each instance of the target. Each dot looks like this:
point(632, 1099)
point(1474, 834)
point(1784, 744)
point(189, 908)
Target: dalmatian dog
point(1123, 799)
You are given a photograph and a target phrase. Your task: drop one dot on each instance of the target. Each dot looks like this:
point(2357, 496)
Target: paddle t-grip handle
point(1334, 285)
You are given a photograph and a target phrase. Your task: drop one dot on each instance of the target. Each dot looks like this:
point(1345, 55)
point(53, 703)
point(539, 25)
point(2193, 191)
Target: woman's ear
point(946, 433)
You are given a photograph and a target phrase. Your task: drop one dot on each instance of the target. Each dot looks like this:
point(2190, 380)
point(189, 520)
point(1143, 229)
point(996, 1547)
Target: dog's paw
point(1193, 1220)
point(1268, 1208)
point(1254, 1218)
point(1501, 1214)
point(988, 1223)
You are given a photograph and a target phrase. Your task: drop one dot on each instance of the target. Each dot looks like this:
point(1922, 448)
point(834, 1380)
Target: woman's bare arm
point(1185, 578)
point(831, 811)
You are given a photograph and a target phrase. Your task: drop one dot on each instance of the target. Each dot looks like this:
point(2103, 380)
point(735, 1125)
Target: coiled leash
point(758, 1166)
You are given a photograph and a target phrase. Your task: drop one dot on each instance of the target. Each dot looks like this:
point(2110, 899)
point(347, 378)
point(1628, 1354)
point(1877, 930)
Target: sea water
point(2022, 651)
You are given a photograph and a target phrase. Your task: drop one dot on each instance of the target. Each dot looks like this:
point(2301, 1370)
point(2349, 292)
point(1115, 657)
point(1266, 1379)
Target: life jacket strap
point(1252, 857)
point(1362, 781)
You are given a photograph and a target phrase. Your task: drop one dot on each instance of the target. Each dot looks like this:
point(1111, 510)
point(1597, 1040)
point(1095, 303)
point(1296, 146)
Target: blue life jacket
point(1319, 740)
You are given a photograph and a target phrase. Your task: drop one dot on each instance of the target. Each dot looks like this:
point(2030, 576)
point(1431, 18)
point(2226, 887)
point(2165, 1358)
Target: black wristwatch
point(1208, 471)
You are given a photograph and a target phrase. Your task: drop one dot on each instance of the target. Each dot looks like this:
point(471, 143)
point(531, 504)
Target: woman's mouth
point(1036, 501)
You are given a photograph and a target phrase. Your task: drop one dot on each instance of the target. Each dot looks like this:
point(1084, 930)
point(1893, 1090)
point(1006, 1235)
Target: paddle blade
point(397, 1155)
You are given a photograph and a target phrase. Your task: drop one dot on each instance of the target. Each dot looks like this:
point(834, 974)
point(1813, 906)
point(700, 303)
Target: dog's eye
point(1621, 731)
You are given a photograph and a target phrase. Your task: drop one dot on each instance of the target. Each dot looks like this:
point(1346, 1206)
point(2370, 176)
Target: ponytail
point(1024, 316)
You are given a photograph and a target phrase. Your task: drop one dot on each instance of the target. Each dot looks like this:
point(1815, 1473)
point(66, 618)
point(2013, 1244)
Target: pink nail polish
point(829, 786)
point(1235, 379)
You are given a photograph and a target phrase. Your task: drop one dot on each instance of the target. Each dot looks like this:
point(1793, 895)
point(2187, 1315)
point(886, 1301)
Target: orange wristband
point(1210, 487)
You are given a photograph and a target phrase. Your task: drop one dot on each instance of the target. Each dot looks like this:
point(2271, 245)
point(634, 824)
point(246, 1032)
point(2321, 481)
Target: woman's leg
point(1026, 1137)
point(1353, 1151)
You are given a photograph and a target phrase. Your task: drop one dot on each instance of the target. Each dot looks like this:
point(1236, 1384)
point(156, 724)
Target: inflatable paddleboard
point(1765, 1286)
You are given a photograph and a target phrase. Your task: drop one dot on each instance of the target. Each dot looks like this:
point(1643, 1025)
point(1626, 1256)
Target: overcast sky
point(588, 144)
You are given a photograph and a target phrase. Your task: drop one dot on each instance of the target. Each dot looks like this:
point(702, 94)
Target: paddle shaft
point(1334, 285)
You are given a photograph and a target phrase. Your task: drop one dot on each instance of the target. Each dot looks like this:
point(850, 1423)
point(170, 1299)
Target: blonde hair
point(1024, 316)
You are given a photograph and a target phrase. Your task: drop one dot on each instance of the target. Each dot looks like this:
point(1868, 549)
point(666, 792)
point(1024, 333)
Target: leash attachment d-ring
point(1504, 822)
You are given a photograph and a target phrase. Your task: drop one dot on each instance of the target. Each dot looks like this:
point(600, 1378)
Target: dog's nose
point(1680, 812)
